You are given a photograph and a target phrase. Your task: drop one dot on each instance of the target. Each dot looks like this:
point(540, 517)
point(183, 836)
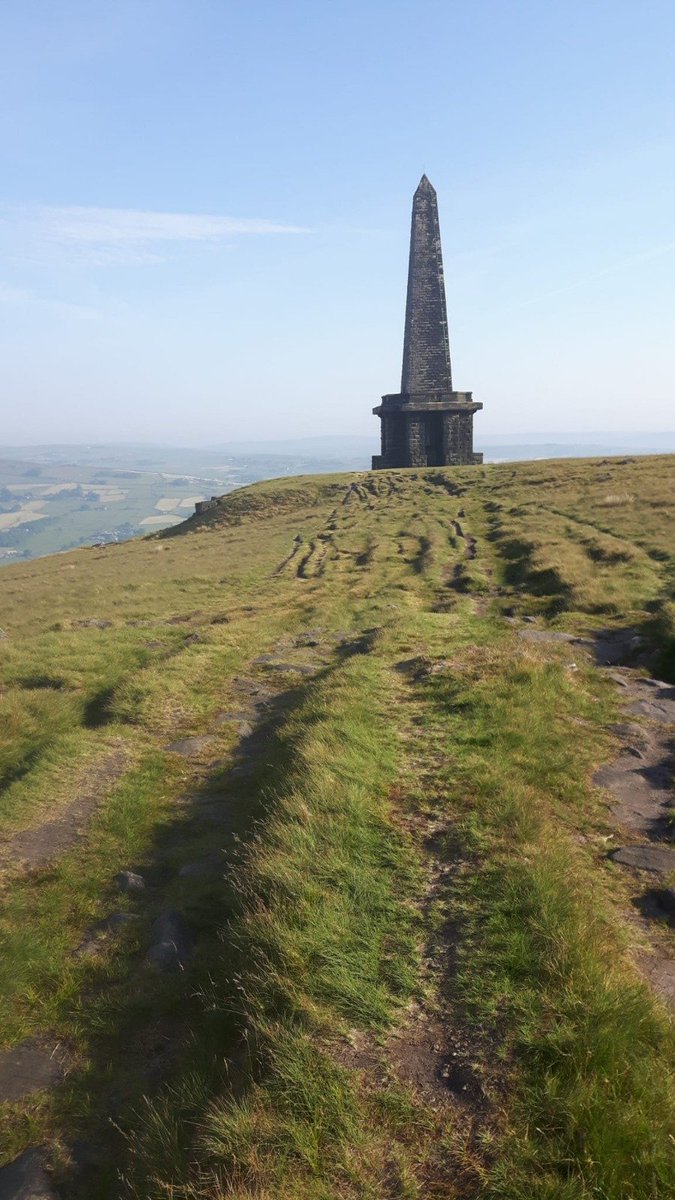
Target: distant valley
point(60, 497)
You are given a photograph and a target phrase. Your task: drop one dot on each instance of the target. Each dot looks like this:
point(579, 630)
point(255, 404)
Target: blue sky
point(204, 212)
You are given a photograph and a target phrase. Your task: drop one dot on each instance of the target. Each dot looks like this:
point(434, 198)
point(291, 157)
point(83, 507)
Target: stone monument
point(426, 424)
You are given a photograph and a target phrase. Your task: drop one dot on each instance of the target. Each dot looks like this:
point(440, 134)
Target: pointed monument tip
point(425, 186)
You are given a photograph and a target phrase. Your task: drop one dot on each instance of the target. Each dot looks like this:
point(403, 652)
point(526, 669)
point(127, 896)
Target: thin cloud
point(104, 235)
point(121, 226)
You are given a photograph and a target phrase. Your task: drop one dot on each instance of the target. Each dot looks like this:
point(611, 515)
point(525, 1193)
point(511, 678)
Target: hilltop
point(337, 853)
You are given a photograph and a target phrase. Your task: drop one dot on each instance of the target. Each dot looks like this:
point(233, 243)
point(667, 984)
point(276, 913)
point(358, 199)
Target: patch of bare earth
point(640, 783)
point(41, 844)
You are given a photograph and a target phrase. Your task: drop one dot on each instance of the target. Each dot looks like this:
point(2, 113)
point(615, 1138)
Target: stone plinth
point(427, 432)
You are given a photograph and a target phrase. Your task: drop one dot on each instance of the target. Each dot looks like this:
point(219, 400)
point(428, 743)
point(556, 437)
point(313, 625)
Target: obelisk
point(426, 423)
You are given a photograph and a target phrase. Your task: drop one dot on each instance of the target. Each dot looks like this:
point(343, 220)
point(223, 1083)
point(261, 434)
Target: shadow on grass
point(157, 1040)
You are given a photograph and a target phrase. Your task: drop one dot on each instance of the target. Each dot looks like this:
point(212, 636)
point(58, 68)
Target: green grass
point(233, 1079)
point(583, 1046)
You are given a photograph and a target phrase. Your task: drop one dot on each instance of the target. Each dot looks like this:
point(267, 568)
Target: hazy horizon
point(531, 437)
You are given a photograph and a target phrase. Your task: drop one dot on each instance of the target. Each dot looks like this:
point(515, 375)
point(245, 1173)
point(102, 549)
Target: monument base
point(429, 430)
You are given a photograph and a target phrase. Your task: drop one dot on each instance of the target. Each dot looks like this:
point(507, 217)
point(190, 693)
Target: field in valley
point(336, 843)
point(55, 498)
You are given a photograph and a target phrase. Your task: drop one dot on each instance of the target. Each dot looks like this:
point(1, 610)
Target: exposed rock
point(240, 719)
point(646, 858)
point(257, 692)
point(666, 900)
point(310, 637)
point(232, 715)
point(93, 623)
point(622, 680)
point(129, 881)
point(27, 1178)
point(190, 745)
point(34, 1065)
point(173, 943)
point(642, 792)
point(630, 732)
point(661, 709)
point(97, 935)
point(271, 663)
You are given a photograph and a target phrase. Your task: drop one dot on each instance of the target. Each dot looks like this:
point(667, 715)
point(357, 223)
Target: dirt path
point(41, 844)
point(640, 782)
point(262, 694)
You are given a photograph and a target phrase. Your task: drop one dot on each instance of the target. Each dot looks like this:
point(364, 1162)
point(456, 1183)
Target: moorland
point(336, 843)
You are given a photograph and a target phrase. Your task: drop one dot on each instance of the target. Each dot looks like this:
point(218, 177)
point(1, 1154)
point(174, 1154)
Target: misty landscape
point(55, 498)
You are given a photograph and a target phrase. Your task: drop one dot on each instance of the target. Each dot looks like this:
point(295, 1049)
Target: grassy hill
point(309, 887)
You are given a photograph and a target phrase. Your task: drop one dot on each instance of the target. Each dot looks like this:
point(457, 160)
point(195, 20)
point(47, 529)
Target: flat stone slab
point(646, 858)
point(614, 646)
point(97, 935)
point(34, 1065)
point(232, 716)
point(190, 745)
point(654, 700)
point(173, 942)
point(129, 881)
point(296, 668)
point(26, 1178)
point(642, 789)
point(239, 719)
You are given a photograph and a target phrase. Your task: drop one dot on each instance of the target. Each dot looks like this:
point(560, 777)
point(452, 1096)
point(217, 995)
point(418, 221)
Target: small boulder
point(27, 1178)
point(173, 943)
point(33, 1065)
point(97, 935)
point(617, 678)
point(129, 881)
point(666, 900)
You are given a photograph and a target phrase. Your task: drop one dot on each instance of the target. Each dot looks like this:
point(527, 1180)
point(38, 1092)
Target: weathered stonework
point(203, 506)
point(426, 423)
